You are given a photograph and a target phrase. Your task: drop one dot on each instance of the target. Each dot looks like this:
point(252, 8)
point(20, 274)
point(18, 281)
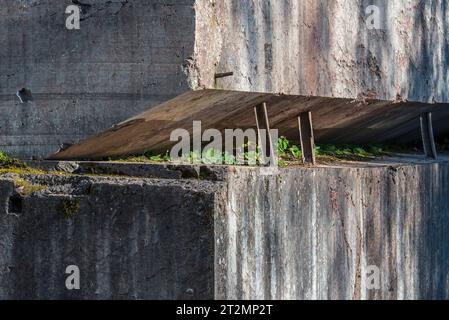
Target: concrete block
point(141, 232)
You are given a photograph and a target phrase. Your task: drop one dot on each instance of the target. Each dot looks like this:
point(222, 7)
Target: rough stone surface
point(126, 57)
point(313, 233)
point(324, 48)
point(131, 55)
point(130, 238)
point(144, 170)
point(262, 233)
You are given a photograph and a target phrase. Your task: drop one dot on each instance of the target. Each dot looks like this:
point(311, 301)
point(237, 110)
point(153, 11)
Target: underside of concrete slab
point(340, 121)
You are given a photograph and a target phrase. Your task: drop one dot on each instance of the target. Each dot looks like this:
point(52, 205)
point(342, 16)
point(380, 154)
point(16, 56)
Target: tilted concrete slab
point(335, 120)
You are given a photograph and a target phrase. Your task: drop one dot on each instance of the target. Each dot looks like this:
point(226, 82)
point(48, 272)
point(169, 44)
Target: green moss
point(26, 188)
point(12, 165)
point(71, 207)
point(147, 157)
point(22, 171)
point(9, 162)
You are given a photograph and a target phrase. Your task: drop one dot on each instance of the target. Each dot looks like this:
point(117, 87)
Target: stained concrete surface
point(292, 233)
point(324, 48)
point(130, 56)
point(130, 238)
point(126, 57)
point(313, 233)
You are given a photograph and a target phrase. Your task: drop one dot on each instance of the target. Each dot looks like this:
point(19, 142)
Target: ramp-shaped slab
point(335, 120)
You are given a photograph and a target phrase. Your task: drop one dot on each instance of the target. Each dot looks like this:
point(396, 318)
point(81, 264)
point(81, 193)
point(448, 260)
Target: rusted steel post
point(427, 136)
point(264, 136)
point(307, 138)
point(223, 75)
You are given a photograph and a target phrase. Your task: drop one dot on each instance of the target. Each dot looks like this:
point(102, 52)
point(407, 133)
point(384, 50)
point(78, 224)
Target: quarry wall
point(229, 233)
point(130, 238)
point(325, 48)
point(131, 55)
point(318, 233)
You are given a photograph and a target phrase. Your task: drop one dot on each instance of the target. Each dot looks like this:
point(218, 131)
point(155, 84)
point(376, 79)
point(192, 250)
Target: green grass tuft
point(26, 188)
point(12, 165)
point(288, 154)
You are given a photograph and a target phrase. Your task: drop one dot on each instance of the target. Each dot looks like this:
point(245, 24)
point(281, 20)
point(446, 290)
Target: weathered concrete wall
point(126, 57)
point(131, 55)
point(302, 233)
point(312, 233)
point(324, 48)
point(130, 238)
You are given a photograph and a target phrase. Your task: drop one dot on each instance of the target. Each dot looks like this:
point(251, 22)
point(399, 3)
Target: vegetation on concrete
point(7, 162)
point(146, 157)
point(288, 154)
point(26, 188)
point(71, 207)
point(12, 165)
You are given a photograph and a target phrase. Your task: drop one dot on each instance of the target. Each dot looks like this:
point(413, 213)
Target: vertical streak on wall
point(399, 262)
point(328, 225)
point(325, 48)
point(363, 259)
point(314, 295)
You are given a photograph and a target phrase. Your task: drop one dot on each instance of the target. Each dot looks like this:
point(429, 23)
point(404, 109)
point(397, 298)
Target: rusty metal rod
point(307, 137)
point(427, 135)
point(223, 75)
point(264, 135)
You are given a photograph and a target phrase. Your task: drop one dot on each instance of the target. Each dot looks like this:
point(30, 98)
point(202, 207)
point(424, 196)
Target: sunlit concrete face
point(326, 47)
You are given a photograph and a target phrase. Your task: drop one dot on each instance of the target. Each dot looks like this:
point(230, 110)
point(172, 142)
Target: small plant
point(157, 157)
point(9, 162)
point(25, 188)
point(229, 159)
point(296, 152)
point(288, 151)
point(212, 156)
point(12, 165)
point(282, 146)
point(71, 207)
